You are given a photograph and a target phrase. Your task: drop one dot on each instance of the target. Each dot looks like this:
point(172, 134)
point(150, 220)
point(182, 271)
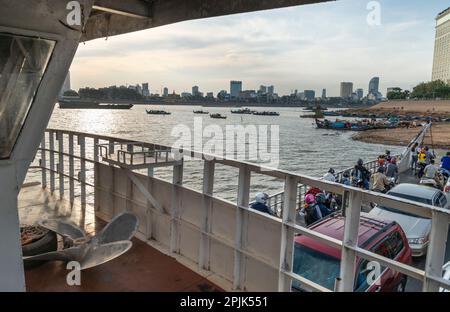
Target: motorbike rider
point(432, 172)
point(361, 175)
point(260, 203)
point(311, 211)
point(321, 200)
point(379, 182)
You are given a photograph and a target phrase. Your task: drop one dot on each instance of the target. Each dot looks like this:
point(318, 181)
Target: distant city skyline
point(290, 48)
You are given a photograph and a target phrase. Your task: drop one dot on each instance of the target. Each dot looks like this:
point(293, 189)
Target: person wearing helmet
point(361, 175)
point(311, 211)
point(321, 200)
point(379, 182)
point(260, 203)
point(387, 156)
point(329, 176)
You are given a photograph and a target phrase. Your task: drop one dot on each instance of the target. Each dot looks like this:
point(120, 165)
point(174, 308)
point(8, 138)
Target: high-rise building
point(360, 93)
point(346, 89)
point(235, 88)
point(262, 89)
point(324, 93)
point(441, 63)
point(374, 85)
point(270, 90)
point(195, 91)
point(310, 95)
point(166, 92)
point(145, 89)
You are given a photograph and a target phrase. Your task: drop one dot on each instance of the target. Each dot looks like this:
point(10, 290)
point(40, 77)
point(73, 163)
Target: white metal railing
point(431, 276)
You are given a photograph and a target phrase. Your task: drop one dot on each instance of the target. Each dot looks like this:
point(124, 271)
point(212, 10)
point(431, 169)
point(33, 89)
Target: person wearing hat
point(260, 203)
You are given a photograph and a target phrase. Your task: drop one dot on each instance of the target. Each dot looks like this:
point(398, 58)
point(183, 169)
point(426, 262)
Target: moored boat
point(266, 113)
point(200, 112)
point(157, 112)
point(218, 116)
point(242, 111)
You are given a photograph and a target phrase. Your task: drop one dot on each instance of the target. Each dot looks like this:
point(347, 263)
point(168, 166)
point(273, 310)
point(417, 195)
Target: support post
point(11, 263)
point(71, 171)
point(208, 187)
point(82, 144)
point(175, 209)
point(43, 162)
point(351, 227)
point(52, 161)
point(60, 137)
point(241, 226)
point(436, 250)
point(287, 233)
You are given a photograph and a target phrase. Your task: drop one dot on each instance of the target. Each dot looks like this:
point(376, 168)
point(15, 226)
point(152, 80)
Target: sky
point(304, 47)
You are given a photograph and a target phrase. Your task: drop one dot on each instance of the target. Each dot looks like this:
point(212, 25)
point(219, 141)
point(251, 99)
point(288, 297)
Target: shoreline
point(402, 136)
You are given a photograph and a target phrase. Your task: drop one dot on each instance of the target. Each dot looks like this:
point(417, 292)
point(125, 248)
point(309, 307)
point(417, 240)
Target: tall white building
point(441, 63)
point(346, 89)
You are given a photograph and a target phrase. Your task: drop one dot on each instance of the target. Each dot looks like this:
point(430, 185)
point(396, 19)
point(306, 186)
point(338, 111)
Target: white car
point(446, 276)
point(447, 190)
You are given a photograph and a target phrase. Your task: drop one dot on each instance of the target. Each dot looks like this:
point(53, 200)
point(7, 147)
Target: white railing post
point(436, 250)
point(208, 188)
point(350, 239)
point(175, 209)
point(241, 226)
point(82, 144)
point(71, 171)
point(287, 233)
point(61, 163)
point(52, 161)
point(43, 162)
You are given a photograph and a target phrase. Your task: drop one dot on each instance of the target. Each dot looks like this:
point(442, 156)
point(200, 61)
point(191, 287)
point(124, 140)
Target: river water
point(302, 148)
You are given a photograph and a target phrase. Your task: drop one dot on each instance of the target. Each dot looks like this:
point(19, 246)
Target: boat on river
point(201, 112)
point(217, 116)
point(242, 111)
point(346, 125)
point(78, 103)
point(157, 112)
point(266, 113)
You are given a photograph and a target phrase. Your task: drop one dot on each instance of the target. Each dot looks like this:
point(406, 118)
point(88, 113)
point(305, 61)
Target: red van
point(321, 263)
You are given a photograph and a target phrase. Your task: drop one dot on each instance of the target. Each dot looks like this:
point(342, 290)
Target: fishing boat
point(77, 103)
point(266, 113)
point(200, 112)
point(242, 111)
point(157, 112)
point(346, 125)
point(217, 116)
point(332, 114)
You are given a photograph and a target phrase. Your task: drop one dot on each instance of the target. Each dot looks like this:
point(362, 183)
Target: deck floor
point(142, 268)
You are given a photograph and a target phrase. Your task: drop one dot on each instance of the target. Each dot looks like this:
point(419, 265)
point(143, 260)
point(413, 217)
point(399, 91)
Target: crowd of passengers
point(320, 203)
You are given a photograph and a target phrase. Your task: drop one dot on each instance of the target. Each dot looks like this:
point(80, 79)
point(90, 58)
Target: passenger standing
point(379, 182)
point(445, 164)
point(311, 211)
point(392, 169)
point(329, 176)
point(260, 203)
point(414, 155)
point(361, 175)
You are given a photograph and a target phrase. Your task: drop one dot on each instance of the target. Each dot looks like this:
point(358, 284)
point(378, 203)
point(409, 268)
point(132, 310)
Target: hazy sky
point(306, 47)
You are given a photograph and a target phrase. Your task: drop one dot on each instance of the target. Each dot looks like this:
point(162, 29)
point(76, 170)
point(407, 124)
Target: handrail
point(293, 181)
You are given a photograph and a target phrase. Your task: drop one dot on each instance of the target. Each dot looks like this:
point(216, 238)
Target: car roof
point(333, 226)
point(414, 190)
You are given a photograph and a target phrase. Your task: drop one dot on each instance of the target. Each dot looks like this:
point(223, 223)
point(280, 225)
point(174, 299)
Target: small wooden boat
point(266, 113)
point(157, 112)
point(242, 111)
point(218, 116)
point(200, 112)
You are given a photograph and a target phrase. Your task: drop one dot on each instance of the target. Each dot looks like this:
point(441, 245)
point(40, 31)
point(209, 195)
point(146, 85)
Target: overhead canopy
point(115, 17)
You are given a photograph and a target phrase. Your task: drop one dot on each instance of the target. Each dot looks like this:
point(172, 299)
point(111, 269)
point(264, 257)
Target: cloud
point(305, 47)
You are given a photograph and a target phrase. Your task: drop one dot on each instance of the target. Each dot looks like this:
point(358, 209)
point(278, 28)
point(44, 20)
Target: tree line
point(437, 89)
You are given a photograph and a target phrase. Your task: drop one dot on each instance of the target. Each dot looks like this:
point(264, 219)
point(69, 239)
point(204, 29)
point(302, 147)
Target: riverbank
point(402, 136)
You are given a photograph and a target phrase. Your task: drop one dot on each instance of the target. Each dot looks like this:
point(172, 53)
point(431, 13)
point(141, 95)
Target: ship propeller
point(111, 242)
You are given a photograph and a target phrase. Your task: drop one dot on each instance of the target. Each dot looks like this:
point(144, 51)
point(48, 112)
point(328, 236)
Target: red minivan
point(320, 263)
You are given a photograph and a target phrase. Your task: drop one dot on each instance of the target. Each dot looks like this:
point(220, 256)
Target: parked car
point(320, 263)
point(446, 275)
point(417, 229)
